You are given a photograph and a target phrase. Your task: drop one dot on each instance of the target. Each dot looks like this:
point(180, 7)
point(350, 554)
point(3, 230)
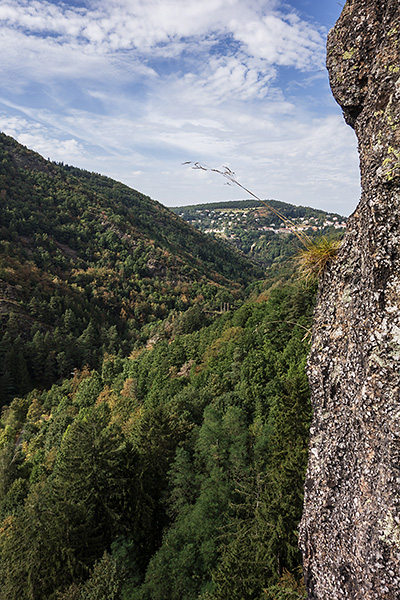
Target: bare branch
point(231, 176)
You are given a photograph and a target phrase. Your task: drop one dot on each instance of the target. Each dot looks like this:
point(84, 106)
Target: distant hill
point(287, 209)
point(89, 266)
point(260, 233)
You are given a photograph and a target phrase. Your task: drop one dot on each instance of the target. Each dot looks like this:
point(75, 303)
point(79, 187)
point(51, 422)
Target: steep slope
point(350, 529)
point(86, 263)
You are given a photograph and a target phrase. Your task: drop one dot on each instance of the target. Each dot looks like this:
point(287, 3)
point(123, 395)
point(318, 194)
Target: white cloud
point(45, 62)
point(59, 150)
point(277, 38)
point(119, 45)
point(281, 41)
point(44, 141)
point(227, 78)
point(308, 161)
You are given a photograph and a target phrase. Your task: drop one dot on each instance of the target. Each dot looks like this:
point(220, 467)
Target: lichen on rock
point(351, 523)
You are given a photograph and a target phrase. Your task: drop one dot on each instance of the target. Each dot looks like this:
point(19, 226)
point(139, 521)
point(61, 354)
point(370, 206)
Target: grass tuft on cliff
point(313, 259)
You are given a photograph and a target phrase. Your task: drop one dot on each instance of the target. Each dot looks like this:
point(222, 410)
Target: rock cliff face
point(350, 531)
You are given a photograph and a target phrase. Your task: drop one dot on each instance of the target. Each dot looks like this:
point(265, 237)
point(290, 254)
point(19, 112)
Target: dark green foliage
point(105, 581)
point(289, 210)
point(177, 473)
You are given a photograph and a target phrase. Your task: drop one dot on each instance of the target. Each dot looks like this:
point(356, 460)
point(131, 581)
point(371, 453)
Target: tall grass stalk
point(231, 177)
point(313, 259)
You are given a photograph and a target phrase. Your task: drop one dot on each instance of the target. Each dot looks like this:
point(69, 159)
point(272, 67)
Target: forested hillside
point(174, 473)
point(89, 266)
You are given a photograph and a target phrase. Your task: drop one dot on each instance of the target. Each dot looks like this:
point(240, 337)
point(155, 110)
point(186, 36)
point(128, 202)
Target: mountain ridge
point(250, 203)
point(86, 259)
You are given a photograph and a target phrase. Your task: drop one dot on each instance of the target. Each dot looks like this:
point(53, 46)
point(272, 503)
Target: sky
point(134, 88)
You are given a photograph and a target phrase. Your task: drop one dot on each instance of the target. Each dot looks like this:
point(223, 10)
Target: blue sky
point(134, 88)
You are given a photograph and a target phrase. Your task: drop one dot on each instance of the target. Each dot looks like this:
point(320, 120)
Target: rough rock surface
point(350, 531)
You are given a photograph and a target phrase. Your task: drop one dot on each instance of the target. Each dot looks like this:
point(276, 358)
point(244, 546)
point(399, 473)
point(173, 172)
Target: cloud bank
point(133, 88)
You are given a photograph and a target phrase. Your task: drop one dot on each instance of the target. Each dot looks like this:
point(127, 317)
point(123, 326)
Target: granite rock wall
point(350, 530)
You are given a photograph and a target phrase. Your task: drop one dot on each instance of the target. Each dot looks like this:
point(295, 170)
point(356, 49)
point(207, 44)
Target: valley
point(155, 406)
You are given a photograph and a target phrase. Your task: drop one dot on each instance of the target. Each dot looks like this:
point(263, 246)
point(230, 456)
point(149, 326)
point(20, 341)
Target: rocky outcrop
point(350, 531)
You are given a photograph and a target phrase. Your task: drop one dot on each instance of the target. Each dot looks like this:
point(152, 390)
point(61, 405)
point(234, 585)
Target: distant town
point(226, 222)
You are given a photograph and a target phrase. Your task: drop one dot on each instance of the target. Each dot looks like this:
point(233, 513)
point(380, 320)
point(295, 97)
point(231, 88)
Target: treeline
point(174, 473)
